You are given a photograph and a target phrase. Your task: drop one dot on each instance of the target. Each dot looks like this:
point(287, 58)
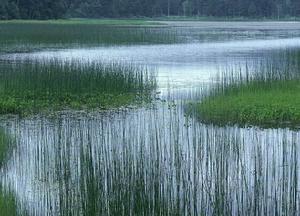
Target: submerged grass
point(30, 87)
point(269, 98)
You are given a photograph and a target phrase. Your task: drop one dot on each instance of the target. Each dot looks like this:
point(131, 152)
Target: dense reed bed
point(25, 37)
point(152, 162)
point(29, 87)
point(268, 97)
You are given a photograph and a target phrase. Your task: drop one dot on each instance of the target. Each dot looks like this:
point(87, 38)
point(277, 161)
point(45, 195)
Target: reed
point(146, 163)
point(25, 37)
point(29, 87)
point(268, 97)
point(4, 146)
point(8, 204)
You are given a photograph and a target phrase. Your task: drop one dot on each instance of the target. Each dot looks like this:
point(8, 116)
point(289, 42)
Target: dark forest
point(54, 9)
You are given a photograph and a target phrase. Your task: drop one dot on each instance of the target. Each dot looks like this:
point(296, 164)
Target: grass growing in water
point(31, 36)
point(257, 103)
point(7, 204)
point(75, 21)
point(4, 146)
point(7, 200)
point(269, 98)
point(30, 87)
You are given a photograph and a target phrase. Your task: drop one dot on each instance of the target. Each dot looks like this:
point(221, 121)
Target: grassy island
point(31, 87)
point(267, 95)
point(274, 103)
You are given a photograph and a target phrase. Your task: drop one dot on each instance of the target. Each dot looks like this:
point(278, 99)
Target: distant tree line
point(53, 9)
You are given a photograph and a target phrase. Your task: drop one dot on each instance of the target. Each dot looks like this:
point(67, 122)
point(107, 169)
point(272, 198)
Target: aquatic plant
point(268, 97)
point(24, 37)
point(5, 143)
point(145, 162)
point(29, 87)
point(8, 204)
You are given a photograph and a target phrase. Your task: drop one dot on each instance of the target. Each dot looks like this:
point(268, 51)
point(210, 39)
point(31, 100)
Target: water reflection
point(179, 65)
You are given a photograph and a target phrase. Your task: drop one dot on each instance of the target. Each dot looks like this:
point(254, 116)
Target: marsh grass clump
point(7, 200)
point(8, 204)
point(268, 97)
point(4, 146)
point(29, 87)
point(31, 36)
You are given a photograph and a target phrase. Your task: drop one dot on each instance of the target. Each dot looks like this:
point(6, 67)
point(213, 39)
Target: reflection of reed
point(106, 164)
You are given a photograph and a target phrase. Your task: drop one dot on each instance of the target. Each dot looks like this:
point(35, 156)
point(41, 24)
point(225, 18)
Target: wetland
point(94, 118)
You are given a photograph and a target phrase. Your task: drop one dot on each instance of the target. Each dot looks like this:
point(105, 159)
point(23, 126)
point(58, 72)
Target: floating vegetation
point(29, 87)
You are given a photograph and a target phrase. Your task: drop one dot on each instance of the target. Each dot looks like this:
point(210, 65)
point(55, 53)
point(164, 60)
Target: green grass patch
point(265, 94)
point(32, 87)
point(267, 104)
